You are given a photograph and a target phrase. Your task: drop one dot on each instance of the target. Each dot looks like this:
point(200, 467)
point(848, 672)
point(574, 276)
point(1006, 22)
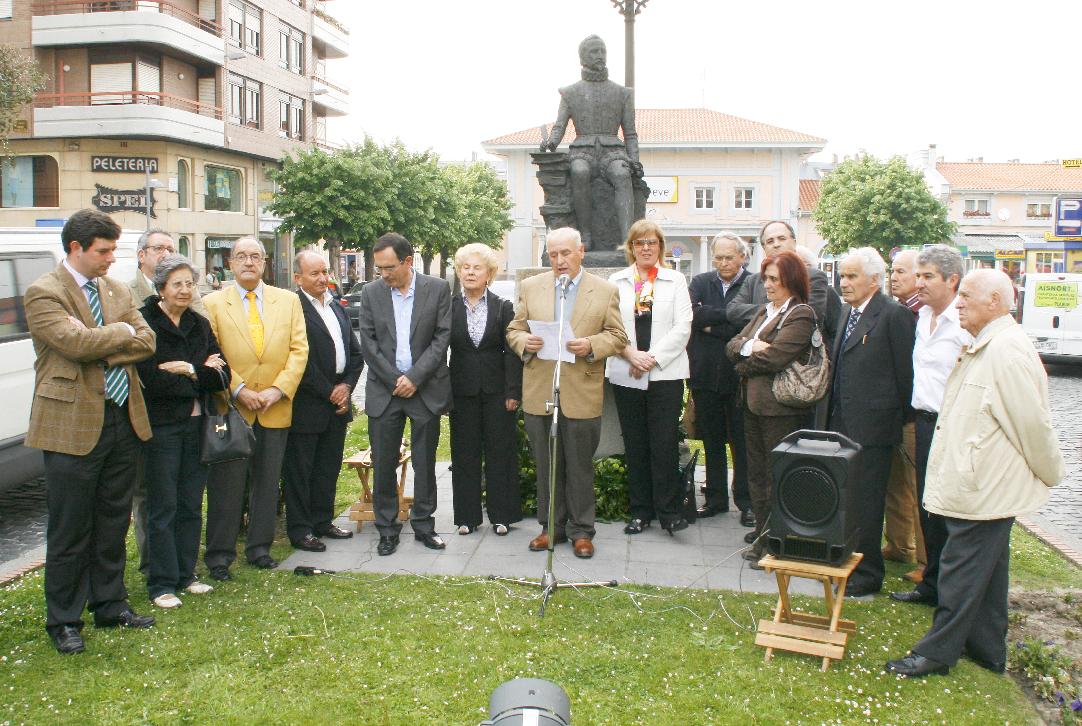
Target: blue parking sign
point(1068, 217)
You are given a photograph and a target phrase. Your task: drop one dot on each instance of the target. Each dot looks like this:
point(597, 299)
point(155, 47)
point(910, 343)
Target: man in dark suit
point(405, 327)
point(870, 397)
point(719, 419)
point(88, 417)
point(321, 409)
point(777, 237)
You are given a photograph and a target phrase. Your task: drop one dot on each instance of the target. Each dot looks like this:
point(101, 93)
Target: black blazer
point(312, 408)
point(169, 397)
point(710, 368)
point(490, 368)
point(873, 373)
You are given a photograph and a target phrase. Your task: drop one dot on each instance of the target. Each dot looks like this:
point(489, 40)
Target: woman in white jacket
point(648, 377)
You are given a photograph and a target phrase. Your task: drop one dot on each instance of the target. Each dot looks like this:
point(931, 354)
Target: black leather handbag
point(226, 436)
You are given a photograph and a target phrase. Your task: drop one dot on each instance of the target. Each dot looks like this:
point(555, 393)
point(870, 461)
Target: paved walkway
point(704, 556)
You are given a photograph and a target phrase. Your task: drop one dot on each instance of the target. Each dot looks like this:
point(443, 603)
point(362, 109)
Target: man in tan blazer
point(88, 417)
point(593, 309)
point(262, 334)
point(154, 244)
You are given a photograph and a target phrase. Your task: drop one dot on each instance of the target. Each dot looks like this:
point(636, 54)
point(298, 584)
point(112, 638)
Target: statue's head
point(592, 53)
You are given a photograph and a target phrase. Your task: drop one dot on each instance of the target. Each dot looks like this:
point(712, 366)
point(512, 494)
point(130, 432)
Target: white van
point(1051, 315)
point(25, 255)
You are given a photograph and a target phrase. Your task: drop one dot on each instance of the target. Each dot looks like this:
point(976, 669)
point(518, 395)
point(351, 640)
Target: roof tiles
point(993, 177)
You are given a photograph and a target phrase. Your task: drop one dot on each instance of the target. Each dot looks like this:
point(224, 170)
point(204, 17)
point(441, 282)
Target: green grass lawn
point(366, 649)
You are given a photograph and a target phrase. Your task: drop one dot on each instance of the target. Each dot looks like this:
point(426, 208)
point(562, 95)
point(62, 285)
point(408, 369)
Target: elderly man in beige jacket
point(993, 458)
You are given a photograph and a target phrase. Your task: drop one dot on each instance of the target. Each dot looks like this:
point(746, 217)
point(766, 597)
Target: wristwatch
point(191, 371)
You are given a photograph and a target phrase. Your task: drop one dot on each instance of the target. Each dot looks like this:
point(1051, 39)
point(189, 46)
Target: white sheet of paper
point(549, 332)
point(620, 374)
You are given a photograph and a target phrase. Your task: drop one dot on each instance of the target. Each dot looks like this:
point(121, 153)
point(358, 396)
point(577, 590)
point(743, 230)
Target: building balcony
point(328, 146)
point(117, 22)
point(127, 114)
point(330, 37)
point(329, 99)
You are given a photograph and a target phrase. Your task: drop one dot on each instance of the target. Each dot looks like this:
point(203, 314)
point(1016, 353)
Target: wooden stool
point(361, 511)
point(805, 632)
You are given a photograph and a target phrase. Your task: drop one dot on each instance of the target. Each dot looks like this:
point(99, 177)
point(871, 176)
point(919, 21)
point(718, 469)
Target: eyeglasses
point(386, 268)
point(181, 285)
point(640, 243)
point(254, 257)
point(162, 248)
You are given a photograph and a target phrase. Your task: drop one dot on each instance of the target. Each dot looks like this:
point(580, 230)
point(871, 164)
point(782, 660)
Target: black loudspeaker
point(815, 477)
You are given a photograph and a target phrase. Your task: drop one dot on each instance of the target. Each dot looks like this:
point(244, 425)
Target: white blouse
point(772, 312)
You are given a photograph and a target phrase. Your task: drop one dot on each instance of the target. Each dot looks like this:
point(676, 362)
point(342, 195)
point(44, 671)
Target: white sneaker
point(200, 588)
point(168, 600)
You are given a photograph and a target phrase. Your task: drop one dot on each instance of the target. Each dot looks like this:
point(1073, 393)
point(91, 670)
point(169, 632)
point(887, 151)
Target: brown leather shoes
point(584, 548)
point(916, 576)
point(540, 543)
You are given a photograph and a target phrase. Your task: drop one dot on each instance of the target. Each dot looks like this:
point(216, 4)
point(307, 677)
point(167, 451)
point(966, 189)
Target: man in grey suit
point(777, 237)
point(154, 244)
point(405, 328)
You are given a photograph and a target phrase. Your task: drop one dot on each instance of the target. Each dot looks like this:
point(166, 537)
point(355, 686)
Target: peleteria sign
point(123, 200)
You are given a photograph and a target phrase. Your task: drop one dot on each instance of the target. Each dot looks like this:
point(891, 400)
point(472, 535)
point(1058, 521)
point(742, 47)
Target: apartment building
point(708, 171)
point(170, 113)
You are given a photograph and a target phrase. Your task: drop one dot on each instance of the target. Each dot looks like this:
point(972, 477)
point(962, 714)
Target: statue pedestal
point(554, 176)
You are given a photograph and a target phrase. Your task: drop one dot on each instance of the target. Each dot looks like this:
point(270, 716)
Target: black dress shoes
point(752, 557)
point(709, 510)
point(126, 619)
point(636, 526)
point(747, 518)
point(431, 540)
point(913, 596)
point(264, 562)
point(334, 532)
point(309, 544)
point(220, 573)
point(750, 537)
point(675, 526)
point(387, 545)
point(67, 640)
point(916, 666)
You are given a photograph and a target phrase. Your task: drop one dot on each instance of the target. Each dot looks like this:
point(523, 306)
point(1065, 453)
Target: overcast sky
point(884, 77)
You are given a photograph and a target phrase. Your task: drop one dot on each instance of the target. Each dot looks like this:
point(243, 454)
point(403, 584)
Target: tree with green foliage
point(473, 208)
point(20, 79)
point(866, 202)
point(341, 198)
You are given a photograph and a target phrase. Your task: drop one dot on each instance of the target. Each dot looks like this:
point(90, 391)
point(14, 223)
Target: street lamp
point(150, 185)
point(629, 9)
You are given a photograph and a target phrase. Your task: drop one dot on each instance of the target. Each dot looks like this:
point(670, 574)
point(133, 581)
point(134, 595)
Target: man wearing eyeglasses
point(154, 244)
point(405, 329)
point(262, 334)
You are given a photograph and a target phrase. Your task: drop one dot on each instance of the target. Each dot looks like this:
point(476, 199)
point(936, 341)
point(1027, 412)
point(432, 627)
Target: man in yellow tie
point(262, 334)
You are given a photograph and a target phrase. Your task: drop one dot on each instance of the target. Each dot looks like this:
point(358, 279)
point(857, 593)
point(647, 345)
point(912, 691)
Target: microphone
point(564, 281)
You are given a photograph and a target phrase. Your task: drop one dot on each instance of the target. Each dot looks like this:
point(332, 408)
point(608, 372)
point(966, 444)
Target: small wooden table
point(808, 633)
point(361, 511)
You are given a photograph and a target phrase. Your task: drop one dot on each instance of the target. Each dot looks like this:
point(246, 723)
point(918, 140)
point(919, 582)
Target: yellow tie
point(255, 323)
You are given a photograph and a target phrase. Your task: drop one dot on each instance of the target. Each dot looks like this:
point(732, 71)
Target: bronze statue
point(600, 108)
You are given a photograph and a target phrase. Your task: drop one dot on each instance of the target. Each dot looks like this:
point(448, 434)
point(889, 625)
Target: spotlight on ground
point(528, 702)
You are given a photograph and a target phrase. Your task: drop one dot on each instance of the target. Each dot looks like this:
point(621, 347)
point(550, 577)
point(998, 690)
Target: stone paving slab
point(704, 556)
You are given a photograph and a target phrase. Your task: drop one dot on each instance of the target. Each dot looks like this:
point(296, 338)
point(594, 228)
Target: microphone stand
point(548, 583)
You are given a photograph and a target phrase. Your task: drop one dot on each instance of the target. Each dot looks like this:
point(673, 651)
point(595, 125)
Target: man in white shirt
point(940, 338)
point(321, 409)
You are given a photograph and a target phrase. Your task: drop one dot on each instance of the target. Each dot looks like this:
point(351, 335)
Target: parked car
point(352, 302)
point(25, 255)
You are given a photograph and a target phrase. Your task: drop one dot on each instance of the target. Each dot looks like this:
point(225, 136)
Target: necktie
point(116, 380)
point(854, 316)
point(255, 323)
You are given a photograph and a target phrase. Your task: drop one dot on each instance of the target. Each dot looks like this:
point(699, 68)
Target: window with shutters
point(110, 83)
point(245, 101)
point(291, 49)
point(291, 117)
point(5, 9)
point(29, 181)
point(245, 26)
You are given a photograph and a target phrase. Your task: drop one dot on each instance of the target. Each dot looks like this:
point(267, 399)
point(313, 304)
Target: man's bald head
point(984, 296)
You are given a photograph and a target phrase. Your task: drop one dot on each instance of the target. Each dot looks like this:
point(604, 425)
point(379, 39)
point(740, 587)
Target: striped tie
point(255, 323)
point(854, 316)
point(116, 380)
